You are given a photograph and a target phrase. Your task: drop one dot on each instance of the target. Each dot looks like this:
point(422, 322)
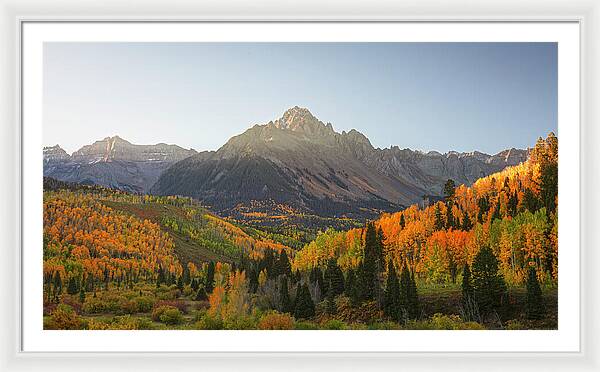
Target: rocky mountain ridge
point(301, 161)
point(113, 162)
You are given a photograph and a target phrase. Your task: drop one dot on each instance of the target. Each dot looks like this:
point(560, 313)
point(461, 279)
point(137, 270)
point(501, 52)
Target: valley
point(292, 225)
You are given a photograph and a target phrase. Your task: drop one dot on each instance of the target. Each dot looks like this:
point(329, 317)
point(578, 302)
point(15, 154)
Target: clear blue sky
point(427, 96)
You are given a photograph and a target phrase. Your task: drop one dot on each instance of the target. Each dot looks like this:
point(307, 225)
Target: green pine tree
point(402, 222)
point(180, 283)
point(351, 288)
point(391, 300)
point(57, 282)
point(449, 217)
point(72, 287)
point(334, 277)
point(304, 306)
point(160, 278)
point(413, 298)
point(331, 307)
point(368, 275)
point(535, 304)
point(285, 304)
point(438, 222)
point(449, 189)
point(285, 268)
point(489, 287)
point(210, 277)
point(467, 225)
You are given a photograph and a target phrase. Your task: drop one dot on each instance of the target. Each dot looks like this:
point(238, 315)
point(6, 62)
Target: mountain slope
point(302, 162)
point(113, 162)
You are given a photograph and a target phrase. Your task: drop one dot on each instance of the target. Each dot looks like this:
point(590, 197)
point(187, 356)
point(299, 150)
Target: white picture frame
point(14, 14)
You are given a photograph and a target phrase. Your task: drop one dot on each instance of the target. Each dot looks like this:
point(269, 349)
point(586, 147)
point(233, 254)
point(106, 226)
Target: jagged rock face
point(301, 161)
point(55, 153)
point(113, 162)
point(116, 148)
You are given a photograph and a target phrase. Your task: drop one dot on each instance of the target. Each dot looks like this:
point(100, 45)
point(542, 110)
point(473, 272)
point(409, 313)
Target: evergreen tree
point(368, 276)
point(304, 307)
point(530, 201)
point(331, 307)
point(404, 292)
point(57, 282)
point(283, 263)
point(489, 287)
point(409, 301)
point(334, 277)
point(180, 283)
point(160, 278)
point(252, 280)
point(467, 225)
point(449, 217)
point(413, 297)
point(511, 206)
point(449, 189)
point(210, 277)
point(496, 215)
point(391, 301)
point(186, 275)
point(268, 264)
point(316, 277)
point(351, 287)
point(402, 222)
point(72, 286)
point(483, 205)
point(439, 222)
point(535, 304)
point(285, 304)
point(549, 186)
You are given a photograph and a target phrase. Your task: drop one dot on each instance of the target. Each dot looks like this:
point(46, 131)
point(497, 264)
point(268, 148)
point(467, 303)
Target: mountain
point(113, 162)
point(302, 162)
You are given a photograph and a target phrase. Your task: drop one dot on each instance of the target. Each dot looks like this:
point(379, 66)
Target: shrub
point(276, 320)
point(240, 322)
point(144, 304)
point(116, 323)
point(334, 324)
point(159, 310)
point(106, 303)
point(364, 313)
point(167, 314)
point(187, 290)
point(171, 316)
point(129, 307)
point(179, 304)
point(64, 317)
point(446, 322)
point(209, 323)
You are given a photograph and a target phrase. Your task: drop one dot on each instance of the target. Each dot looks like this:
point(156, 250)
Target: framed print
point(301, 188)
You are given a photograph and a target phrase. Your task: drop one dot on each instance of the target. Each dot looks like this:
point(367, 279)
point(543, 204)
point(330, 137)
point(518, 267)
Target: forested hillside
point(513, 212)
